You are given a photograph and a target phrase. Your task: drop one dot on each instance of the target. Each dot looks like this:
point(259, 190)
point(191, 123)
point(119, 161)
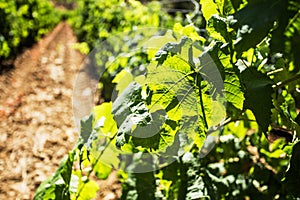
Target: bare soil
point(36, 120)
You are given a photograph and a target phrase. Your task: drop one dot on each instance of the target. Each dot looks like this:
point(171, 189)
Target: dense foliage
point(22, 22)
point(94, 20)
point(170, 83)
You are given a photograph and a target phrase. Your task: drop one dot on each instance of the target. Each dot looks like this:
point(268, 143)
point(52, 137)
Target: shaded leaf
point(170, 47)
point(121, 107)
point(217, 28)
point(212, 67)
point(258, 95)
point(130, 111)
point(254, 22)
point(86, 127)
point(292, 177)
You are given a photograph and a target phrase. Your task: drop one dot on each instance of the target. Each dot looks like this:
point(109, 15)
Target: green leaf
point(292, 176)
point(255, 21)
point(193, 128)
point(212, 67)
point(121, 139)
point(233, 90)
point(66, 170)
point(156, 42)
point(170, 47)
point(121, 107)
point(221, 7)
point(175, 91)
point(102, 171)
point(148, 135)
point(208, 8)
point(86, 128)
point(130, 111)
point(230, 6)
point(58, 186)
point(88, 191)
point(258, 95)
point(189, 31)
point(217, 28)
point(104, 150)
point(178, 95)
point(158, 135)
point(123, 79)
point(87, 132)
point(161, 56)
point(292, 34)
point(47, 189)
point(217, 66)
point(104, 120)
point(278, 35)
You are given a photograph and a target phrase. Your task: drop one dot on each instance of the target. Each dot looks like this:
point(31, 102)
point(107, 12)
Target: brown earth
point(36, 119)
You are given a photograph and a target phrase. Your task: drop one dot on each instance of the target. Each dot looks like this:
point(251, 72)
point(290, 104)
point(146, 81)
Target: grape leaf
point(254, 22)
point(218, 68)
point(104, 120)
point(288, 30)
point(102, 171)
point(217, 28)
point(229, 6)
point(58, 186)
point(292, 177)
point(156, 136)
point(179, 96)
point(129, 110)
point(87, 132)
point(125, 77)
point(221, 7)
point(86, 127)
point(258, 95)
point(139, 186)
point(88, 189)
point(208, 8)
point(233, 90)
point(212, 68)
point(172, 48)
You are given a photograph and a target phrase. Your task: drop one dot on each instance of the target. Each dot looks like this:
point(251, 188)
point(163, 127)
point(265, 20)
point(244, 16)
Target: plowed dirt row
point(36, 120)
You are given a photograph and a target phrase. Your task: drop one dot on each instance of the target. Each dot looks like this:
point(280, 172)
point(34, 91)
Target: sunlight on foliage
point(229, 88)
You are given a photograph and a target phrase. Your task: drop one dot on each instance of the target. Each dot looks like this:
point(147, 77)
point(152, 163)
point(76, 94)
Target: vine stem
point(221, 125)
point(226, 122)
point(292, 21)
point(198, 82)
point(283, 83)
point(94, 165)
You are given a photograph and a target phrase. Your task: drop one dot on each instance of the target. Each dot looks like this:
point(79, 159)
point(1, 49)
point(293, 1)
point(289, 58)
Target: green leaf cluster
point(23, 22)
point(178, 90)
point(95, 20)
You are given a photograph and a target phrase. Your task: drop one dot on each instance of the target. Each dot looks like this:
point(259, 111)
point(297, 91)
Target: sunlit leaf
point(102, 171)
point(233, 90)
point(125, 78)
point(208, 8)
point(104, 119)
point(88, 189)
